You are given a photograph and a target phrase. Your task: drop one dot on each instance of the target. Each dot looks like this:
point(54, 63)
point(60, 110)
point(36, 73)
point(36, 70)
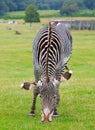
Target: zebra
point(52, 49)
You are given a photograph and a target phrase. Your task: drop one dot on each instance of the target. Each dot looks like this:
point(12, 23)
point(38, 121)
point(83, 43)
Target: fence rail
point(79, 24)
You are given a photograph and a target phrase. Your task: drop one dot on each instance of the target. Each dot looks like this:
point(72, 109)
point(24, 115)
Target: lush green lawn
point(77, 105)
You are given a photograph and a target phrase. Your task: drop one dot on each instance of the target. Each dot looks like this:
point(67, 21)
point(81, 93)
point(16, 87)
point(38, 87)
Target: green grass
point(84, 13)
point(77, 105)
point(49, 14)
point(42, 13)
point(15, 15)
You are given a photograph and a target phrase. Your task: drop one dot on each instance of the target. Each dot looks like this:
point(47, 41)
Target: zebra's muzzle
point(46, 115)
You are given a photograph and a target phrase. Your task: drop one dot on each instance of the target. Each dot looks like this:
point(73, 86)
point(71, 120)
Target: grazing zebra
point(51, 51)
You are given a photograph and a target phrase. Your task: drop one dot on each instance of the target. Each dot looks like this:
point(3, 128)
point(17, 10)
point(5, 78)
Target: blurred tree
point(69, 9)
point(71, 6)
point(17, 5)
point(43, 7)
point(90, 4)
point(56, 4)
point(3, 7)
point(11, 5)
point(20, 4)
point(31, 14)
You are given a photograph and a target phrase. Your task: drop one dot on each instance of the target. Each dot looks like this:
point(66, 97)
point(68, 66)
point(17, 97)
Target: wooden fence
point(79, 24)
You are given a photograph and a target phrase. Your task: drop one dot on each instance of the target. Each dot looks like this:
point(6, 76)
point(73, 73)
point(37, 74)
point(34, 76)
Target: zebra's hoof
point(32, 114)
point(55, 115)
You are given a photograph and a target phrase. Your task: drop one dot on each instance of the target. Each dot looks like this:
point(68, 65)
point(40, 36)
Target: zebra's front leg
point(35, 93)
point(55, 114)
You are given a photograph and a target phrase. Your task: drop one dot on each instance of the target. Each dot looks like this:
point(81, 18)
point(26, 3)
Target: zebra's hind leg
point(55, 114)
point(35, 92)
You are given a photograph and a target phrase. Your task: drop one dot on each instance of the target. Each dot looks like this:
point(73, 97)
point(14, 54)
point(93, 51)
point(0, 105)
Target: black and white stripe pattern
point(52, 49)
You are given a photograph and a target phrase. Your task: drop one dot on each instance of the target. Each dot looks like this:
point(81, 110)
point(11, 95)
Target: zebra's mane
point(49, 42)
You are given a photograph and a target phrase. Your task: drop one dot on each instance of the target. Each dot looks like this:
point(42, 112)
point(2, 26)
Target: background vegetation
point(77, 105)
point(31, 15)
point(49, 14)
point(66, 7)
point(42, 13)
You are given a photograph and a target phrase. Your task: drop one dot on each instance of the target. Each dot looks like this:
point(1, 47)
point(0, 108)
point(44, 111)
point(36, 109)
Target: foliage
point(31, 14)
point(77, 101)
point(11, 5)
point(62, 5)
point(18, 5)
point(90, 4)
point(84, 13)
point(3, 7)
point(51, 4)
point(43, 7)
point(70, 7)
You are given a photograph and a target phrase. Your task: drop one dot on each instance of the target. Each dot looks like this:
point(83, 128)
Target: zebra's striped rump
point(48, 52)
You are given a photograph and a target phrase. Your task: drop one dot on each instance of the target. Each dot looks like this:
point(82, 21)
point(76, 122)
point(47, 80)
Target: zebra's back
point(52, 49)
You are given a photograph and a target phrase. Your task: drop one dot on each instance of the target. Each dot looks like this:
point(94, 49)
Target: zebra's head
point(49, 99)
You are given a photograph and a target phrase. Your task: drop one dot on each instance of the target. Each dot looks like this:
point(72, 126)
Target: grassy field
point(49, 14)
point(42, 13)
point(77, 105)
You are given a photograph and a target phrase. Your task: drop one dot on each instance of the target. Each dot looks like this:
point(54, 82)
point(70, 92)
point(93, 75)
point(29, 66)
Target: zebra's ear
point(66, 76)
point(28, 85)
